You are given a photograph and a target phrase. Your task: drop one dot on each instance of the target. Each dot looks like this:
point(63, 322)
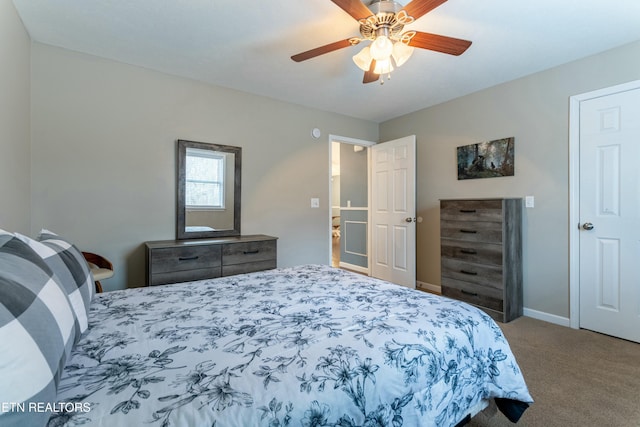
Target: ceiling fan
point(382, 23)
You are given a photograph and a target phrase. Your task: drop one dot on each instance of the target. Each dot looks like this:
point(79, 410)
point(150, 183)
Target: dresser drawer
point(172, 259)
point(469, 288)
point(471, 210)
point(487, 275)
point(248, 252)
point(472, 231)
point(474, 297)
point(248, 267)
point(480, 253)
point(185, 275)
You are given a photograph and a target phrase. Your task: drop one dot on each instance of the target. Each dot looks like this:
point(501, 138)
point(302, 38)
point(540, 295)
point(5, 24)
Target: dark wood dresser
point(481, 254)
point(173, 261)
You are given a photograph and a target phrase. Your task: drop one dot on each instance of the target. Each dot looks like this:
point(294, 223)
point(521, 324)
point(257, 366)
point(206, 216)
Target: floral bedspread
point(310, 346)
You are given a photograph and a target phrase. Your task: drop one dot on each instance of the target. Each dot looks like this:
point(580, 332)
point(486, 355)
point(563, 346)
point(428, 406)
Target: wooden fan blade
point(355, 8)
point(322, 50)
point(439, 43)
point(370, 76)
point(417, 8)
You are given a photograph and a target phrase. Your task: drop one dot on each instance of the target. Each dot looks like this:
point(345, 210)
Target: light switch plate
point(529, 202)
point(315, 202)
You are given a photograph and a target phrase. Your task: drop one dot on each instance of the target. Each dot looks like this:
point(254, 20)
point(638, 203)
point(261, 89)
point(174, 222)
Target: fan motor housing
point(384, 6)
point(383, 21)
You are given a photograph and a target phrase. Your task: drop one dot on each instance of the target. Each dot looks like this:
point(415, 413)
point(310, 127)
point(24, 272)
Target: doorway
point(349, 194)
point(376, 235)
point(604, 211)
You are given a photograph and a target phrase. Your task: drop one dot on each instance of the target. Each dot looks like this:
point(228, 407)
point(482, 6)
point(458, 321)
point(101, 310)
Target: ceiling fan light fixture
point(381, 48)
point(401, 53)
point(383, 67)
point(382, 23)
point(363, 59)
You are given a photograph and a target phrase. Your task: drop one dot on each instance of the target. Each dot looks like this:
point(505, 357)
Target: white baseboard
point(429, 287)
point(535, 314)
point(546, 317)
point(353, 267)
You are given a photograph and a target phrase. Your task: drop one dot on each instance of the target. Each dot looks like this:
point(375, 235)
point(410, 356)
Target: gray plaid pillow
point(68, 263)
point(37, 330)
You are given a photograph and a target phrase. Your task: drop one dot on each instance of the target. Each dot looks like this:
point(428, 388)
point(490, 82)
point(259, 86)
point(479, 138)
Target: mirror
point(208, 190)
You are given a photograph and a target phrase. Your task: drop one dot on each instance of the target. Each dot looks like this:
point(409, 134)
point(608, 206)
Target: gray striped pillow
point(37, 330)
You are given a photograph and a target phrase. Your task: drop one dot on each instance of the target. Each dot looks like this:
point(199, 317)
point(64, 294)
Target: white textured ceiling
point(247, 44)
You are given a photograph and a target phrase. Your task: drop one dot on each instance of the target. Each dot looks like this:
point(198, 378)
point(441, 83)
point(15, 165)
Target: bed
point(309, 345)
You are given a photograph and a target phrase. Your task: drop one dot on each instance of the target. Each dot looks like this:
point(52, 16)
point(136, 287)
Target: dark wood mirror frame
point(181, 232)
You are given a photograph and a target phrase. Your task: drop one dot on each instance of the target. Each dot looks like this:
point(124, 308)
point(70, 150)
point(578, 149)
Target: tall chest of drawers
point(173, 261)
point(481, 254)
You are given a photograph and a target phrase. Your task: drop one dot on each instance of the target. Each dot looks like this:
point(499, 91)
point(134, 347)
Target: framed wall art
point(486, 159)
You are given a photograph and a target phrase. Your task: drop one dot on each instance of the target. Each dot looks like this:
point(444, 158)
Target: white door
point(609, 204)
point(393, 211)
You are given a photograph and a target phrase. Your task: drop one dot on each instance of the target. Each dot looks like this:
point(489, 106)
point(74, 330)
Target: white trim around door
point(363, 143)
point(574, 192)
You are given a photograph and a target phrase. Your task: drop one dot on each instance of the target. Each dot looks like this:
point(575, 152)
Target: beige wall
point(15, 169)
point(96, 159)
point(534, 110)
point(104, 161)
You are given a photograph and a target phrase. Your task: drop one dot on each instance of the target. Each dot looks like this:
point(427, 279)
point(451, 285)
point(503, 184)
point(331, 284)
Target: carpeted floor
point(576, 377)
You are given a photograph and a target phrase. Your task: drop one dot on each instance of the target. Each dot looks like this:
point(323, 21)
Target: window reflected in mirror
point(206, 198)
point(204, 179)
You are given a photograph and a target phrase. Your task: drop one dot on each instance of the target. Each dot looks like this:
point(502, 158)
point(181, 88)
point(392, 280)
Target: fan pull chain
point(382, 77)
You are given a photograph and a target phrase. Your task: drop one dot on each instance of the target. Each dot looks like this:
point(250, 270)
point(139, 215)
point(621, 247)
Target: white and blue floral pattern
point(305, 346)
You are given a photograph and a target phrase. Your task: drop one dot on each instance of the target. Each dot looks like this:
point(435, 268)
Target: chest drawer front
point(472, 289)
point(474, 297)
point(479, 253)
point(472, 231)
point(487, 275)
point(248, 252)
point(172, 259)
point(471, 210)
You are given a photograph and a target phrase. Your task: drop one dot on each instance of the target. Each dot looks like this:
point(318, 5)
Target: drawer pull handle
point(469, 251)
point(251, 252)
point(188, 258)
point(468, 210)
point(464, 230)
point(473, 294)
point(470, 273)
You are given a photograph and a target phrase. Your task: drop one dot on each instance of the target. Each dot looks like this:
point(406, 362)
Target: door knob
point(587, 226)
point(410, 219)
